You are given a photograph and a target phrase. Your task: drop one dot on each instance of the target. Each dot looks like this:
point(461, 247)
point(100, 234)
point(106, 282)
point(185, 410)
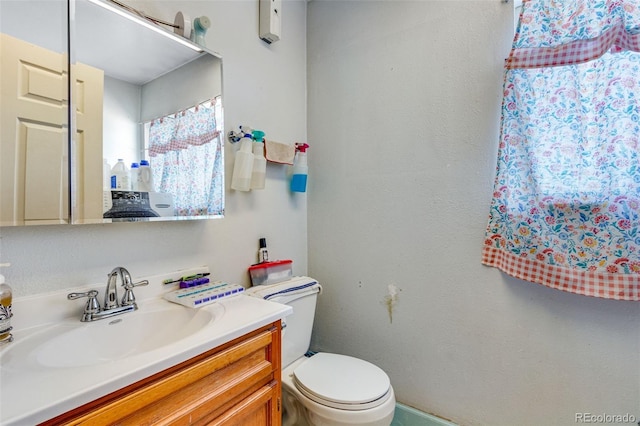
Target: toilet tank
point(301, 293)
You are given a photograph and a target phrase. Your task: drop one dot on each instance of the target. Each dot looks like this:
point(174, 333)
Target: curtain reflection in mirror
point(185, 151)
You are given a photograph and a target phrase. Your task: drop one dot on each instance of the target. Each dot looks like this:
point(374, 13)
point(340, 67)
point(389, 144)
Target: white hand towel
point(287, 288)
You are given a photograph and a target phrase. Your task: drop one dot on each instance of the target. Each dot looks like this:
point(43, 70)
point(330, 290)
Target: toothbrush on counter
point(186, 278)
point(193, 283)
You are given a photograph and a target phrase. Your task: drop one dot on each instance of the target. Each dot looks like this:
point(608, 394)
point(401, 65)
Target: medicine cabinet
point(124, 75)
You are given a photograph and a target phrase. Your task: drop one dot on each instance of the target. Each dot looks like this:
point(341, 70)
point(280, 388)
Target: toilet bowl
point(323, 389)
point(320, 393)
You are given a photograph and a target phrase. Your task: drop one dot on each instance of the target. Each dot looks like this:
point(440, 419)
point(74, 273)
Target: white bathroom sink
point(73, 343)
point(124, 335)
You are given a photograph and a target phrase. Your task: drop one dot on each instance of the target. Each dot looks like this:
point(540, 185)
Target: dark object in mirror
point(130, 204)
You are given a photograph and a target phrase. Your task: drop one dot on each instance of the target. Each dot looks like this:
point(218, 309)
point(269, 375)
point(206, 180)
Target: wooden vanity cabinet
point(237, 383)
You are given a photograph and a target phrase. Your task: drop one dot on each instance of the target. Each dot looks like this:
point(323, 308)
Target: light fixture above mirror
point(116, 7)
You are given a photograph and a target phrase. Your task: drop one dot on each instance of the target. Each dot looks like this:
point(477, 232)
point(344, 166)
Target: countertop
point(32, 395)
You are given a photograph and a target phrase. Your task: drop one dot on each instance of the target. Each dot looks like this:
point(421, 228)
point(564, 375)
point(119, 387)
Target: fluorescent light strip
point(149, 25)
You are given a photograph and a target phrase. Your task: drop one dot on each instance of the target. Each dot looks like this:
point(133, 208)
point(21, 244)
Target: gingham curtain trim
point(184, 143)
point(589, 283)
point(577, 52)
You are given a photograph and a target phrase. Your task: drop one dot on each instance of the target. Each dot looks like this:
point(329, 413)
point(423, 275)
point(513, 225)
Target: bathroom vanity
point(238, 382)
point(161, 364)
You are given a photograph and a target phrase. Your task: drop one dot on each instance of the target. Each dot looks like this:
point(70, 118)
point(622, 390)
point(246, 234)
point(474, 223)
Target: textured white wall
point(404, 109)
point(265, 87)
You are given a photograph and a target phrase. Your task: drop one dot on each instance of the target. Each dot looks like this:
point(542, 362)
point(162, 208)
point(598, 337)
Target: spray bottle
point(259, 171)
point(243, 165)
point(300, 169)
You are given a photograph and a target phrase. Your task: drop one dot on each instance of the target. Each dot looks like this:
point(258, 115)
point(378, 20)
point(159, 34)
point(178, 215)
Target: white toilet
point(323, 389)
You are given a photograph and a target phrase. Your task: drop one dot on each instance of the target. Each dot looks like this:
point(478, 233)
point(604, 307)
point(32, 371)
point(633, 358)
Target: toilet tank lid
point(295, 286)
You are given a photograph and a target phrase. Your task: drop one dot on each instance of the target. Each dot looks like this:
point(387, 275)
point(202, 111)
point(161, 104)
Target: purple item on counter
point(192, 283)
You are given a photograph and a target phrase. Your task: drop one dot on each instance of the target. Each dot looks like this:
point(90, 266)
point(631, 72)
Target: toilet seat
point(342, 382)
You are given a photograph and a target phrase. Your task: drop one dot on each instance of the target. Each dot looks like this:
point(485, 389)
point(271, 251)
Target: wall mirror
point(142, 93)
point(138, 92)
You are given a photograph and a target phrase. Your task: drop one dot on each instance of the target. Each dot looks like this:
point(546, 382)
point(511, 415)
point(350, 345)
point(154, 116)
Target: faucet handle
point(129, 285)
point(92, 306)
point(129, 298)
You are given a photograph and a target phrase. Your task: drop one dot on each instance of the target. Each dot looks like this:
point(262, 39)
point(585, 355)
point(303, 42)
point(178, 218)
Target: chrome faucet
point(111, 292)
point(111, 306)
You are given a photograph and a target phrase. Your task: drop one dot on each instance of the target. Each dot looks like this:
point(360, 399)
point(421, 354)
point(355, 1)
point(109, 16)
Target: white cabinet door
point(86, 151)
point(34, 147)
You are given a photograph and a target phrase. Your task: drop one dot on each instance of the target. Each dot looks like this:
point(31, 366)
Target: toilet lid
point(342, 382)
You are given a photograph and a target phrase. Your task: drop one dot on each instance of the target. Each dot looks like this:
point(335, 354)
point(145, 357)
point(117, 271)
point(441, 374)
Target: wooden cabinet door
point(261, 408)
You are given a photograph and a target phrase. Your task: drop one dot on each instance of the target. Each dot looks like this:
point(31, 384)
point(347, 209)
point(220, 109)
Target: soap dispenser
point(300, 169)
point(5, 311)
point(259, 171)
point(243, 165)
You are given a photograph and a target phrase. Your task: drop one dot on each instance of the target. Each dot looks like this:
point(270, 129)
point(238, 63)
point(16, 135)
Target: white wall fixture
point(270, 20)
point(152, 27)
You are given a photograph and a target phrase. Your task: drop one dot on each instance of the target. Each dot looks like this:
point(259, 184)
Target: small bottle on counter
point(263, 255)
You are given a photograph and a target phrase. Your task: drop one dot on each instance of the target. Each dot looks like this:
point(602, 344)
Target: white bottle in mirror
point(145, 177)
point(106, 175)
point(120, 176)
point(134, 176)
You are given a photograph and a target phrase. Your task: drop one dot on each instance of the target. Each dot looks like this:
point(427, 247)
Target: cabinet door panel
point(253, 411)
point(205, 398)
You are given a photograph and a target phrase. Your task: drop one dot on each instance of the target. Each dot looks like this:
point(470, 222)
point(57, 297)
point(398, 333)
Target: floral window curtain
point(185, 151)
point(566, 203)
